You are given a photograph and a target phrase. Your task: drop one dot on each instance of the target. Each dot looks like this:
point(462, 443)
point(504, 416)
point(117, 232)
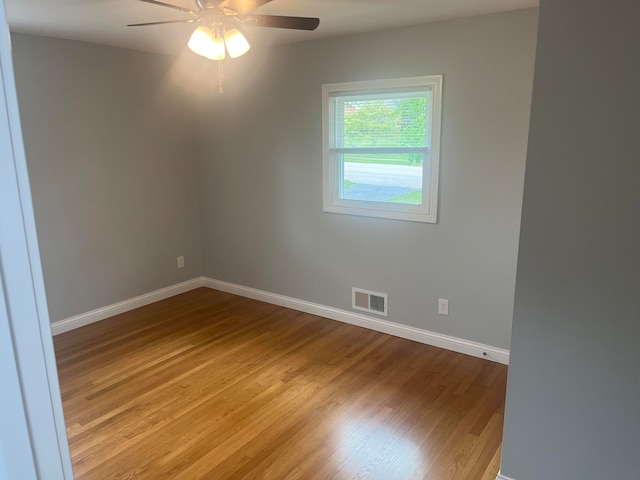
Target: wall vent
point(372, 302)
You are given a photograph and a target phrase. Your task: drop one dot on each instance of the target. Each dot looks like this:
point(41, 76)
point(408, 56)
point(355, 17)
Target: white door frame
point(33, 439)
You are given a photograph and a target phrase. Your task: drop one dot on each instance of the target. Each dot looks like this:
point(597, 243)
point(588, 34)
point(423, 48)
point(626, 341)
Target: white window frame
point(333, 167)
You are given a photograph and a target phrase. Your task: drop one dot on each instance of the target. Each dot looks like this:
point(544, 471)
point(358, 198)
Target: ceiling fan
point(220, 21)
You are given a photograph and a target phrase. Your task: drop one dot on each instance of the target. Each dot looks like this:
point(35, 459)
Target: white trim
point(411, 333)
point(502, 477)
point(98, 314)
point(333, 169)
point(33, 435)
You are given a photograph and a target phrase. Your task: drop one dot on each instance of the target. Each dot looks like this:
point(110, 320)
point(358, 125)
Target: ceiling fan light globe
point(204, 43)
point(216, 50)
point(237, 44)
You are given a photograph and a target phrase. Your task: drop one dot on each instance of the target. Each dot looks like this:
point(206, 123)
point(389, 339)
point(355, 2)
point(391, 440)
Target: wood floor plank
point(208, 385)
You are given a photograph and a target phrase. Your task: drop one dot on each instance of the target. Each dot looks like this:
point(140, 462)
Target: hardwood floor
point(207, 385)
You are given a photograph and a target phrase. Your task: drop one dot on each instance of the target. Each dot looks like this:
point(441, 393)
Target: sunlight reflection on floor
point(371, 450)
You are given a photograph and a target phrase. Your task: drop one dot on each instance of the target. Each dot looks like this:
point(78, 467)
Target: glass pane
point(395, 178)
point(371, 121)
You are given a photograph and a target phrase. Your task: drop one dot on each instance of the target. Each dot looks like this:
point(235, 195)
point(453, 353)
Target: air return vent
point(371, 302)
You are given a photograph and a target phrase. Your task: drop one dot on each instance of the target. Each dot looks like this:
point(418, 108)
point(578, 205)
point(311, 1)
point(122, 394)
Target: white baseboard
point(502, 477)
point(98, 314)
point(411, 333)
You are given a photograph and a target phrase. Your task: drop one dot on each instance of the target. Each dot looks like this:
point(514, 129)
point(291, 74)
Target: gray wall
point(109, 146)
point(261, 176)
point(573, 401)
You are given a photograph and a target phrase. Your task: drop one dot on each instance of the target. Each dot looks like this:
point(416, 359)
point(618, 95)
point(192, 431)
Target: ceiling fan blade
point(277, 21)
point(175, 7)
point(186, 20)
point(242, 6)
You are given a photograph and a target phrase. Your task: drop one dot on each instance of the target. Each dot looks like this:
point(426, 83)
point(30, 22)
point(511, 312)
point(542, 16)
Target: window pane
point(395, 178)
point(379, 121)
point(381, 148)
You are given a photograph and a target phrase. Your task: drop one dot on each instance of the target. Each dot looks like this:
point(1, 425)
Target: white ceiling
point(104, 21)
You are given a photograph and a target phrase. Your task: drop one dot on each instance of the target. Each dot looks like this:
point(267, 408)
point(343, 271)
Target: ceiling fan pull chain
point(220, 77)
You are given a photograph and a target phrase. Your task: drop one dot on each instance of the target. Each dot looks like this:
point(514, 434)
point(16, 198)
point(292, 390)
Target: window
point(381, 144)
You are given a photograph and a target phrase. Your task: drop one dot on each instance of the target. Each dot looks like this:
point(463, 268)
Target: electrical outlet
point(181, 262)
point(443, 306)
